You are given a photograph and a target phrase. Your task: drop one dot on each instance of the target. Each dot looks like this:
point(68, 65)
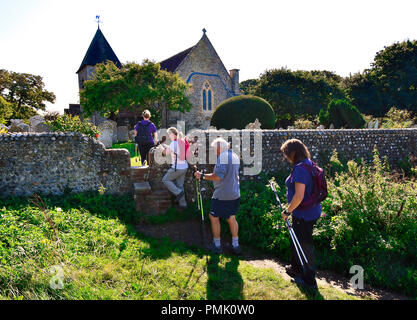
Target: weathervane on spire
point(98, 21)
point(204, 30)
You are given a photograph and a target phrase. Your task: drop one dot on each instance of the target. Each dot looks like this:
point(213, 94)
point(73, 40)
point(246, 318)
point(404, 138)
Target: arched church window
point(207, 96)
point(209, 99)
point(204, 99)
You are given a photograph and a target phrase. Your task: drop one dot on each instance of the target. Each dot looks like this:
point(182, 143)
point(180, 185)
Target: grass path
point(330, 283)
point(102, 256)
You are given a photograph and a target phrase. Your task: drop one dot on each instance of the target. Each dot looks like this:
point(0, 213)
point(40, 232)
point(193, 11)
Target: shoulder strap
point(175, 153)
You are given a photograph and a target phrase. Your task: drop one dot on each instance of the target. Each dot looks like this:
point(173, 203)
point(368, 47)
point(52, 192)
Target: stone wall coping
point(13, 136)
point(314, 130)
point(42, 134)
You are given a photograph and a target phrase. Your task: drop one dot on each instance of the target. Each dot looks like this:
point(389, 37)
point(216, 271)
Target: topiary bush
point(342, 114)
point(238, 112)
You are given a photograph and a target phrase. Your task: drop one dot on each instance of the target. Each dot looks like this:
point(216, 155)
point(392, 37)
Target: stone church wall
point(202, 59)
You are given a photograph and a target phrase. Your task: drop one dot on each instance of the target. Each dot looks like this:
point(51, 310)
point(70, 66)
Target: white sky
point(50, 37)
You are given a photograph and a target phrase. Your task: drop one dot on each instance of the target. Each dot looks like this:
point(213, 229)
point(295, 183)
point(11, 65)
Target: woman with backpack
point(145, 136)
point(175, 176)
point(304, 209)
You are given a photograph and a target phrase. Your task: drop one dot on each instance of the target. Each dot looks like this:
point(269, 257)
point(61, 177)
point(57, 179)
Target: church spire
point(99, 51)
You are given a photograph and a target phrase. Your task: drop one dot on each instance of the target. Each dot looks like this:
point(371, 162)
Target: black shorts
point(224, 208)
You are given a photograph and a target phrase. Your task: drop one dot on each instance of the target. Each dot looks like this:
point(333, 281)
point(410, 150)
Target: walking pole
point(200, 207)
point(293, 236)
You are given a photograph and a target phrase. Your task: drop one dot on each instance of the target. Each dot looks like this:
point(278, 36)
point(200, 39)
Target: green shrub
point(396, 118)
point(68, 123)
point(51, 115)
point(369, 219)
point(341, 114)
point(408, 166)
point(260, 222)
point(303, 123)
point(6, 111)
point(238, 112)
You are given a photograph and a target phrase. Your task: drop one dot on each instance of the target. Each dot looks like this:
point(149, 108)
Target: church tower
point(98, 51)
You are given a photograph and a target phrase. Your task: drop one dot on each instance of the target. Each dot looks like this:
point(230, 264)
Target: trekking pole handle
point(276, 195)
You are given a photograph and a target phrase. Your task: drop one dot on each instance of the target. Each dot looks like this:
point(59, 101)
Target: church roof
point(99, 51)
point(172, 63)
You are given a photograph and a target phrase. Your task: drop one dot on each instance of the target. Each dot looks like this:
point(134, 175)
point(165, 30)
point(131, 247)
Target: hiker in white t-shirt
point(175, 176)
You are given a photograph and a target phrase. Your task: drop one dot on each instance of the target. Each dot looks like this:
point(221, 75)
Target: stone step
point(151, 202)
point(139, 174)
point(142, 188)
point(162, 195)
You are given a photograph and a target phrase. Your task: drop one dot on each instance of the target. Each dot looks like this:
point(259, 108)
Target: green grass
point(102, 257)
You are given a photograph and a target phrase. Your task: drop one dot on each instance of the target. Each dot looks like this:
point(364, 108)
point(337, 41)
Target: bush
point(396, 118)
point(238, 112)
point(6, 111)
point(341, 114)
point(369, 219)
point(51, 115)
point(260, 222)
point(303, 123)
point(68, 123)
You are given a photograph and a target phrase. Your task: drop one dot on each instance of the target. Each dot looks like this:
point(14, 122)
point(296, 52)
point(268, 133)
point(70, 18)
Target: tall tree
point(26, 92)
point(249, 86)
point(112, 89)
point(298, 93)
point(390, 82)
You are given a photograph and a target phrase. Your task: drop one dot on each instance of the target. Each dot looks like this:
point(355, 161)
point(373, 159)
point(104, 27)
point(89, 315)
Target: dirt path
point(189, 233)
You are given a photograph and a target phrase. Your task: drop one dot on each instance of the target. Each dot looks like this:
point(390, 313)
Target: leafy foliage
point(396, 118)
point(303, 123)
point(342, 114)
point(369, 219)
point(25, 92)
point(249, 86)
point(390, 82)
point(6, 110)
point(51, 115)
point(112, 89)
point(68, 123)
point(238, 112)
point(296, 93)
point(259, 217)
